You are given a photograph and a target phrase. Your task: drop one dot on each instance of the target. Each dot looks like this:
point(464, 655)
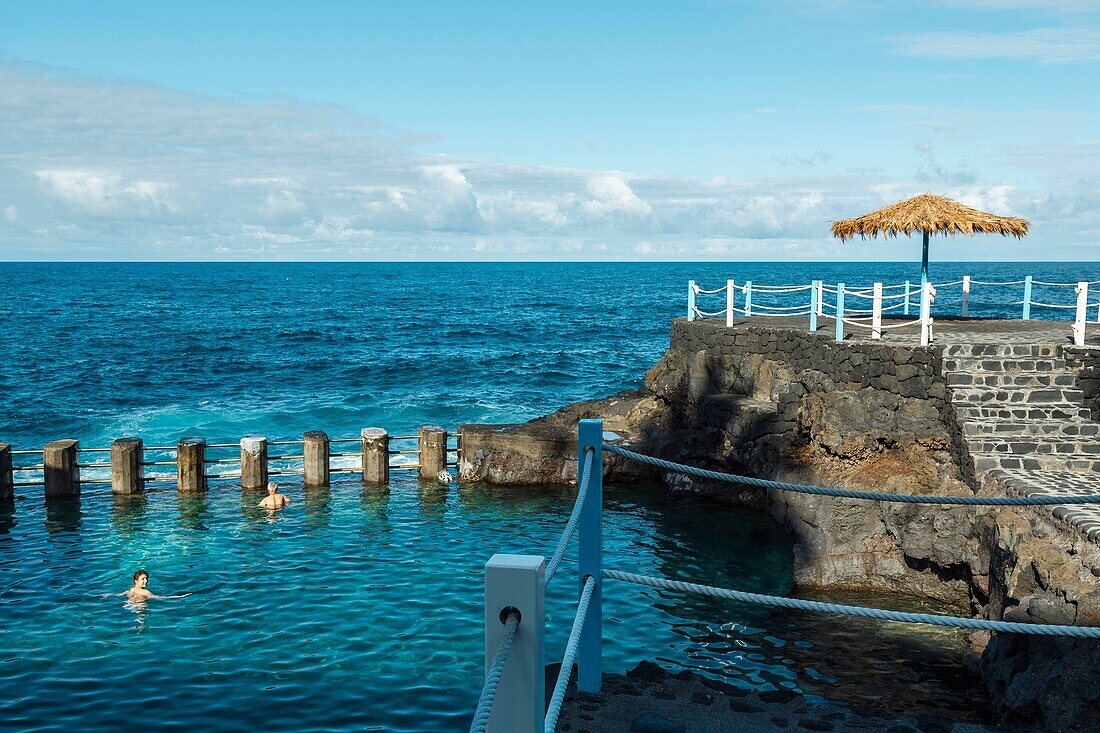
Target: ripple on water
point(360, 608)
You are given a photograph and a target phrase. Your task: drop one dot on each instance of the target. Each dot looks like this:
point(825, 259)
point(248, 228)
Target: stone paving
point(1016, 389)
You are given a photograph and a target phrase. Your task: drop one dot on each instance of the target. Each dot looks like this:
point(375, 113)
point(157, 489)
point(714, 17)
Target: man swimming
point(274, 500)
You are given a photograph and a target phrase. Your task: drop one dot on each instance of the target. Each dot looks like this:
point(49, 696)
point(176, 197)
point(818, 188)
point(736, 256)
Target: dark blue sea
point(361, 609)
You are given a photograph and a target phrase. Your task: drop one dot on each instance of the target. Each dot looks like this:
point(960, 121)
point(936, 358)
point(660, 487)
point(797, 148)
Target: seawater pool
point(361, 609)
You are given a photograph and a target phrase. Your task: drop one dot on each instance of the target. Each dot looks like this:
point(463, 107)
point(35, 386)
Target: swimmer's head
point(141, 578)
point(272, 487)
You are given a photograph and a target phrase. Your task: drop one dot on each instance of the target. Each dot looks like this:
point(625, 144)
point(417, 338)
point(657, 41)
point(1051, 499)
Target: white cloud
point(1045, 45)
point(98, 167)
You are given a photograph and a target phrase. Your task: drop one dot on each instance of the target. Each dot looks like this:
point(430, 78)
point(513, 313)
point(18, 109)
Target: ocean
point(361, 609)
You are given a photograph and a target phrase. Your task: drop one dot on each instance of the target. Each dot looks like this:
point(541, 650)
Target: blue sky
point(713, 130)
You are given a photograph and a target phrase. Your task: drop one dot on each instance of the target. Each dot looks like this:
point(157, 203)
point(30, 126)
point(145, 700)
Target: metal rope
point(797, 604)
point(492, 678)
point(553, 710)
point(574, 517)
point(855, 493)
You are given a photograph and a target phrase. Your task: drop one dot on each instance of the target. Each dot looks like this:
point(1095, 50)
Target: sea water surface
point(361, 609)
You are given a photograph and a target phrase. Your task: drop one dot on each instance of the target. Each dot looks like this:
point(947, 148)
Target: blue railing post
point(840, 311)
point(1027, 297)
point(748, 297)
point(691, 300)
point(590, 555)
point(517, 581)
point(905, 311)
point(813, 306)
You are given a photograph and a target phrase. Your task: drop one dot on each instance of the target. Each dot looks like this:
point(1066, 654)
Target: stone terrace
point(1025, 400)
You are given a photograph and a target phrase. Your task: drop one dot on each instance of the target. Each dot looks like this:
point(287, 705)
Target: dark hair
point(140, 573)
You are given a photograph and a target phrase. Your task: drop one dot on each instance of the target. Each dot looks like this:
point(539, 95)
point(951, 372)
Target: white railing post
point(966, 296)
point(516, 581)
point(905, 311)
point(876, 311)
point(1027, 298)
point(1082, 307)
point(590, 556)
point(748, 297)
point(815, 304)
point(840, 311)
point(820, 297)
point(691, 300)
point(928, 294)
point(729, 303)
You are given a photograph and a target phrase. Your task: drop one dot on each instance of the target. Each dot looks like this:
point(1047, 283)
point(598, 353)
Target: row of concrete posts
point(61, 462)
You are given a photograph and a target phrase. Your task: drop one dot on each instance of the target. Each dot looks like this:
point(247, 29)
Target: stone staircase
point(1020, 409)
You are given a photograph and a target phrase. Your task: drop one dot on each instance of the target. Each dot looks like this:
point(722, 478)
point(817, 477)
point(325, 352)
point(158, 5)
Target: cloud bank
point(104, 168)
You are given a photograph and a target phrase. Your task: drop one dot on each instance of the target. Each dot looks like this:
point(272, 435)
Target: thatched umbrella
point(928, 214)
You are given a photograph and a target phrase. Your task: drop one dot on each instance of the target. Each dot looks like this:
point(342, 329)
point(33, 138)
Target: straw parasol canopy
point(928, 214)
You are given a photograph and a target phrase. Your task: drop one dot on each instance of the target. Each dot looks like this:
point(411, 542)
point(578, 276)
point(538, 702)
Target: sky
point(552, 131)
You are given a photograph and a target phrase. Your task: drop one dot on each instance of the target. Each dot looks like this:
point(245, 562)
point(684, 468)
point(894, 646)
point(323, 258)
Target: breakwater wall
point(777, 401)
point(62, 467)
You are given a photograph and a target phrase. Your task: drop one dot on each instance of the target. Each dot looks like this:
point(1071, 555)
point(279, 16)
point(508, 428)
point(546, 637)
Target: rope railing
point(492, 677)
point(828, 301)
point(574, 517)
point(553, 710)
point(851, 493)
point(798, 604)
point(520, 577)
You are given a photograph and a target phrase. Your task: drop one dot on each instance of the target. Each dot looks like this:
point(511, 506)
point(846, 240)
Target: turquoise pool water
point(360, 610)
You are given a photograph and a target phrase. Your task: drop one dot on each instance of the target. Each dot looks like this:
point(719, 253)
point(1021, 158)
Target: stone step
point(1067, 429)
point(1049, 411)
point(1011, 379)
point(1028, 351)
point(988, 461)
point(1021, 395)
point(1041, 445)
point(1006, 364)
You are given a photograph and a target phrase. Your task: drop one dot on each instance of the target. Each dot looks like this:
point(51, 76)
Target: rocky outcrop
point(781, 403)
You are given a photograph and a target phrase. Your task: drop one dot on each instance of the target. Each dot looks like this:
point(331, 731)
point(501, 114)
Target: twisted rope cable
point(987, 282)
point(574, 517)
point(797, 604)
point(710, 292)
point(706, 314)
point(492, 678)
point(550, 722)
point(1045, 500)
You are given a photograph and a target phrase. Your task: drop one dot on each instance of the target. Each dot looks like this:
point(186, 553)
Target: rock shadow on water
point(63, 515)
point(8, 520)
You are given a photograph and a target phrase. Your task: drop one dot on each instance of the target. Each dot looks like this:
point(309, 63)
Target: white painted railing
point(866, 307)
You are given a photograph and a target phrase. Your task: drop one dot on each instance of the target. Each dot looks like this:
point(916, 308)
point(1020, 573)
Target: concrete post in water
point(590, 555)
point(840, 311)
point(127, 473)
point(191, 464)
point(966, 296)
point(905, 310)
point(748, 297)
point(253, 462)
point(876, 311)
point(315, 458)
point(62, 474)
point(815, 304)
point(1082, 307)
point(517, 582)
point(729, 303)
point(7, 476)
point(433, 451)
point(376, 455)
point(691, 300)
point(1027, 298)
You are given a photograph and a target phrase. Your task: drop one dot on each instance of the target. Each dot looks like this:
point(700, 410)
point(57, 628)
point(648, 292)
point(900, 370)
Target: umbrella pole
point(924, 260)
